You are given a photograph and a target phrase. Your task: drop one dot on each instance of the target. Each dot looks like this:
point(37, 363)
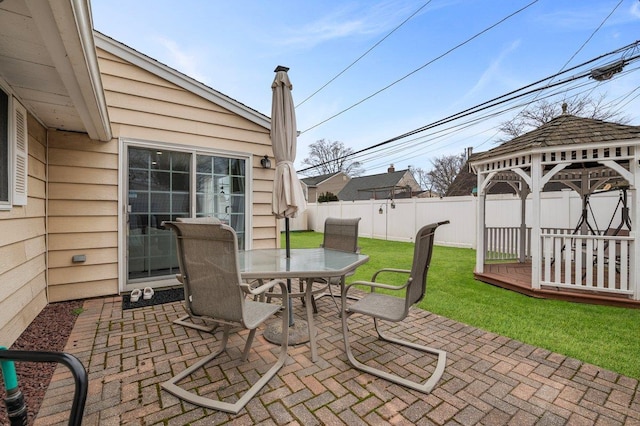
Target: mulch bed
point(49, 331)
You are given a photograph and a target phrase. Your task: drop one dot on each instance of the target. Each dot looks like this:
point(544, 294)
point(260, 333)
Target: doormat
point(160, 296)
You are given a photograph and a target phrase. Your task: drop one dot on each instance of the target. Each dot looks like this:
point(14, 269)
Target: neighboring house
point(99, 145)
point(391, 185)
point(466, 180)
point(330, 182)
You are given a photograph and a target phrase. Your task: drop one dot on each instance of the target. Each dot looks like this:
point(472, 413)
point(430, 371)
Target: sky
point(401, 64)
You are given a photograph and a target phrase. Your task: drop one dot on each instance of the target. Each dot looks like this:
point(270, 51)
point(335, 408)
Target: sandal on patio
point(147, 293)
point(135, 295)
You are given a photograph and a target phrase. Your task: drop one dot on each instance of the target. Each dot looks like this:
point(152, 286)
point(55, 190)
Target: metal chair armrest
point(256, 291)
point(374, 285)
point(402, 271)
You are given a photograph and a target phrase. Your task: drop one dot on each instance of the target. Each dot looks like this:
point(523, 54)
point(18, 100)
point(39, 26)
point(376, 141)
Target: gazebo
point(588, 156)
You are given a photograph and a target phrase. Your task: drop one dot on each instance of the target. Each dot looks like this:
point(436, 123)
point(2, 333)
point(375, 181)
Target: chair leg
point(185, 321)
point(334, 296)
point(425, 387)
point(172, 387)
point(247, 346)
point(330, 294)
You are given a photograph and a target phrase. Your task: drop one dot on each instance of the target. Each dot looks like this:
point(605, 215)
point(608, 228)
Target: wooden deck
point(517, 277)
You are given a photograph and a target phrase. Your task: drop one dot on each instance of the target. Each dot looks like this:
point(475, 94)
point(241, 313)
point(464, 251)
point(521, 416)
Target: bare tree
point(326, 157)
point(543, 111)
point(443, 171)
point(421, 176)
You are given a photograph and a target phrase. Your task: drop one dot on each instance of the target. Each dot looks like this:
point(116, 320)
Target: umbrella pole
point(299, 333)
point(287, 239)
point(288, 254)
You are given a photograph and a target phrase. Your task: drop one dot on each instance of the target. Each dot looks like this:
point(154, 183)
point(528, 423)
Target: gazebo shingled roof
point(565, 129)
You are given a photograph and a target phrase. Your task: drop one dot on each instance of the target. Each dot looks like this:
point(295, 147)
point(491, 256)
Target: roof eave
point(67, 32)
point(546, 149)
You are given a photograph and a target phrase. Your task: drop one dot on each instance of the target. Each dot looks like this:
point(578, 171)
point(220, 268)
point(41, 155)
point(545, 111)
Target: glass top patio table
point(303, 263)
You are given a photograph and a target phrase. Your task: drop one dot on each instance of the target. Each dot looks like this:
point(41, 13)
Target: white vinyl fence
point(560, 210)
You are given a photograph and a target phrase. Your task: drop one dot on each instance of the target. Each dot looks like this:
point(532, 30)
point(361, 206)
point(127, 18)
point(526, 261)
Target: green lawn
point(605, 336)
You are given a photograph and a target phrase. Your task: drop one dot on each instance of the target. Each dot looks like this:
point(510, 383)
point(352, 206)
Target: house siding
point(22, 247)
point(144, 106)
point(410, 181)
point(82, 216)
point(333, 185)
point(83, 174)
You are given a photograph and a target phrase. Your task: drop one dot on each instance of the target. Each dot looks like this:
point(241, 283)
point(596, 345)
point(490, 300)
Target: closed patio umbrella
point(288, 198)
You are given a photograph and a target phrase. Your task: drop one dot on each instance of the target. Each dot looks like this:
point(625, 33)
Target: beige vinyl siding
point(144, 106)
point(334, 185)
point(82, 187)
point(408, 180)
point(22, 247)
point(82, 216)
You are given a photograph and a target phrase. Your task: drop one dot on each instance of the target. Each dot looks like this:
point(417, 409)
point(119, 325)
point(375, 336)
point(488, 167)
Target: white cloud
point(347, 21)
point(184, 61)
point(494, 70)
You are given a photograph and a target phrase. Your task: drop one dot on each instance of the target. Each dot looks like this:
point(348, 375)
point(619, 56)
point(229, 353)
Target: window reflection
point(159, 189)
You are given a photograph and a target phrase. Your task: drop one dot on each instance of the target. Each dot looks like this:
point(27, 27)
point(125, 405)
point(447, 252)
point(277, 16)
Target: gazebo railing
point(503, 243)
point(597, 263)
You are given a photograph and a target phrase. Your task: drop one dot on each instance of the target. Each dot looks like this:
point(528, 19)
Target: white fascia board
point(179, 79)
point(548, 149)
point(67, 32)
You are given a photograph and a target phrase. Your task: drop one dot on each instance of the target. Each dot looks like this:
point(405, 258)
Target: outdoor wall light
point(393, 205)
point(265, 162)
point(380, 211)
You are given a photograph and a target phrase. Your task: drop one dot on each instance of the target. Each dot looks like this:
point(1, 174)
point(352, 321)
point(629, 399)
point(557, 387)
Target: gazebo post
point(480, 234)
point(536, 243)
point(635, 221)
point(524, 191)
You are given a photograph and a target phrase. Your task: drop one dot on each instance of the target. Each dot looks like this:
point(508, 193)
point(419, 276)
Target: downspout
point(46, 217)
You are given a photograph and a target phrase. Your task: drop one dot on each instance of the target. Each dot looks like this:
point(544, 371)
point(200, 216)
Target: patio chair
point(339, 234)
point(214, 291)
point(187, 320)
point(395, 309)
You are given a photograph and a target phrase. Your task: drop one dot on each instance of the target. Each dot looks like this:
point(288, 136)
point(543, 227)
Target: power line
point(595, 31)
point(423, 66)
point(427, 141)
point(475, 120)
point(510, 96)
point(575, 53)
point(493, 102)
point(363, 55)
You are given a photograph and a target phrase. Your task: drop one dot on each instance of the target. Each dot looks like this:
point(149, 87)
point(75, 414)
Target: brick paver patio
point(489, 379)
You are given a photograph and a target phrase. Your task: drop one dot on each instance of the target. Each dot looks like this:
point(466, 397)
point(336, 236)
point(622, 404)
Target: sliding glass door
point(220, 191)
point(167, 184)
